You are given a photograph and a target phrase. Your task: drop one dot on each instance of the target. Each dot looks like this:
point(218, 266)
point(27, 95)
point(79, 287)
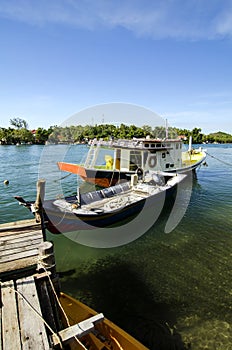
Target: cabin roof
point(142, 143)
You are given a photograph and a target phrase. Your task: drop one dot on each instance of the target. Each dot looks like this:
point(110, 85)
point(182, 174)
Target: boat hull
point(107, 177)
point(58, 221)
point(107, 334)
point(100, 177)
point(109, 207)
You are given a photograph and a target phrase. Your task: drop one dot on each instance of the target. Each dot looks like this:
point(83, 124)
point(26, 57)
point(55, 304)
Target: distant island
point(19, 133)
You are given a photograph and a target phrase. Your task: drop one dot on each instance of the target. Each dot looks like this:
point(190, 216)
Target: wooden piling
point(40, 195)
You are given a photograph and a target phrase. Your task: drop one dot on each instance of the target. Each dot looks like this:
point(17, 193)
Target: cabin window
point(167, 165)
point(158, 145)
point(152, 144)
point(146, 145)
point(104, 159)
point(135, 160)
point(163, 155)
point(171, 165)
point(145, 156)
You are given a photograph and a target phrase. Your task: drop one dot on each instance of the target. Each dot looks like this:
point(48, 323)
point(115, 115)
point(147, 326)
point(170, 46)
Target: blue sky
point(171, 56)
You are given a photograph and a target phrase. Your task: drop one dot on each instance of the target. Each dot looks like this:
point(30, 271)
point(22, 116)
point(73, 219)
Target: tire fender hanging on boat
point(152, 161)
point(139, 172)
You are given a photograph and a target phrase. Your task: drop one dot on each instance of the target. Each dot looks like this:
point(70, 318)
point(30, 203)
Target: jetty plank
point(14, 266)
point(20, 255)
point(10, 326)
point(18, 224)
point(18, 236)
point(33, 333)
point(15, 247)
point(19, 244)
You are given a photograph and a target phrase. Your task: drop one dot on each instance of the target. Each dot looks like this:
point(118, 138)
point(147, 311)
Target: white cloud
point(210, 120)
point(180, 19)
point(223, 22)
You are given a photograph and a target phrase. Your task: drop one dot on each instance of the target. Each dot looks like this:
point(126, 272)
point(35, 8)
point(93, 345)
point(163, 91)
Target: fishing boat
point(94, 331)
point(108, 206)
point(109, 162)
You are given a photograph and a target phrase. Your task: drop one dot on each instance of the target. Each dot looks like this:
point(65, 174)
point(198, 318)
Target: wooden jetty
point(30, 311)
point(28, 308)
point(34, 314)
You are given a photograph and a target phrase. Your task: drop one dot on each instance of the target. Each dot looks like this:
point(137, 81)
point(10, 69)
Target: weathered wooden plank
point(19, 255)
point(18, 230)
point(18, 236)
point(33, 333)
point(78, 330)
point(15, 248)
point(13, 236)
point(13, 266)
point(45, 302)
point(10, 326)
point(20, 223)
point(19, 243)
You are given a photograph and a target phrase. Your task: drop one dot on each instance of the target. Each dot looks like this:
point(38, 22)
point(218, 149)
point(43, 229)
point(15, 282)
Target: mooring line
point(222, 161)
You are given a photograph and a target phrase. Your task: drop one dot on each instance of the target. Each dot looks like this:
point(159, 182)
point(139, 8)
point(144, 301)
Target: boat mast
point(190, 143)
point(166, 128)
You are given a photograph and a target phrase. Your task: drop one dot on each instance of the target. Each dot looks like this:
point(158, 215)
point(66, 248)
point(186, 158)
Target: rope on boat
point(61, 307)
point(64, 177)
point(222, 161)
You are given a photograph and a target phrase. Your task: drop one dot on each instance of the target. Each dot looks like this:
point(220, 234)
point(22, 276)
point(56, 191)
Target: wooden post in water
point(48, 292)
point(39, 204)
point(47, 261)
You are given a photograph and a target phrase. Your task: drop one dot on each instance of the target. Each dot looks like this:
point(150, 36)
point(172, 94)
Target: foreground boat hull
point(63, 222)
point(110, 207)
point(60, 222)
point(106, 336)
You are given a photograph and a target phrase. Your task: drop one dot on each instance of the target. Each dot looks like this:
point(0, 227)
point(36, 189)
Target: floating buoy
point(6, 182)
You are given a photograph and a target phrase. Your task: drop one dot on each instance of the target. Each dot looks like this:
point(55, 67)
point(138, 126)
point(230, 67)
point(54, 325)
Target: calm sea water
point(172, 291)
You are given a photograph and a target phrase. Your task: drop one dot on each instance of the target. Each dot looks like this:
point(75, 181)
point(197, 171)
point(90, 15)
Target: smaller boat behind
point(108, 206)
point(110, 162)
point(104, 335)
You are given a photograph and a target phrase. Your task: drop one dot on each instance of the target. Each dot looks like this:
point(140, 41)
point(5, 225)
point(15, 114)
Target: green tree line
point(20, 133)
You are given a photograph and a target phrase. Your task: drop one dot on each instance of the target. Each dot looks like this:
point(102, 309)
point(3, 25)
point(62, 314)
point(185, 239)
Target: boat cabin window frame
point(135, 159)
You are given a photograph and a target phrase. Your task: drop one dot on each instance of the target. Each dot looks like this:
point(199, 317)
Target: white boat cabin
point(128, 155)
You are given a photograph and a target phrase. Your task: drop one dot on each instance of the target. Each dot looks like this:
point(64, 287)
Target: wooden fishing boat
point(98, 332)
point(108, 206)
point(109, 162)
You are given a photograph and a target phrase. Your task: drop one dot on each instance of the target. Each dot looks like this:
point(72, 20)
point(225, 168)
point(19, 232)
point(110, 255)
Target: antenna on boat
point(166, 128)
